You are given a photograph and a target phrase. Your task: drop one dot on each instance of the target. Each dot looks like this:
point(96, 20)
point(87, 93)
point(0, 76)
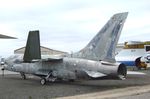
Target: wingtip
point(7, 37)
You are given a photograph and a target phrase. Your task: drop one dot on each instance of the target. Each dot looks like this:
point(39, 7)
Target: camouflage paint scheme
point(97, 59)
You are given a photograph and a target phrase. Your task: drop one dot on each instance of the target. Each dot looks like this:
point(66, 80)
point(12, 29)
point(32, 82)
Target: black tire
point(43, 81)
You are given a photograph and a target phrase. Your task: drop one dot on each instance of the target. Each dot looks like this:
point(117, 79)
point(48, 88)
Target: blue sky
point(68, 25)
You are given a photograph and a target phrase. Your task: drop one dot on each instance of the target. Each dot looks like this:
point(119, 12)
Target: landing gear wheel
point(23, 76)
point(43, 81)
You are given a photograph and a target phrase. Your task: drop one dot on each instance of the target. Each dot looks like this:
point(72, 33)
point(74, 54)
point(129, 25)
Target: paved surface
point(137, 96)
point(120, 93)
point(13, 87)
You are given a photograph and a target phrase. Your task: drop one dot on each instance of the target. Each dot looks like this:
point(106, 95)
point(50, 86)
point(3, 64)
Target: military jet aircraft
point(97, 59)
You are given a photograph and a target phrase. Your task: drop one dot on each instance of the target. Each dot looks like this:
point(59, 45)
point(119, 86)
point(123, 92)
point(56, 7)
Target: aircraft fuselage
point(68, 68)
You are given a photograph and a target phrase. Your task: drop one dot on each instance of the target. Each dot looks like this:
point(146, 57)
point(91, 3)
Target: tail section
point(32, 50)
point(102, 46)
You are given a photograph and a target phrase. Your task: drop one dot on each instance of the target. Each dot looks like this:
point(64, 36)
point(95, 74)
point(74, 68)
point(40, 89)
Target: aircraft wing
point(6, 37)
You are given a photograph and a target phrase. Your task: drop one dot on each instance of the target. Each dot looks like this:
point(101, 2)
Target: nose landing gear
point(23, 75)
point(43, 81)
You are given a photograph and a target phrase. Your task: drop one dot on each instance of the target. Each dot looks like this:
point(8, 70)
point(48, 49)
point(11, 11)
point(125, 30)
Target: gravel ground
point(13, 87)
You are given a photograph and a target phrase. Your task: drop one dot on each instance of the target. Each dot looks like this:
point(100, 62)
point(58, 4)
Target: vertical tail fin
point(32, 50)
point(102, 46)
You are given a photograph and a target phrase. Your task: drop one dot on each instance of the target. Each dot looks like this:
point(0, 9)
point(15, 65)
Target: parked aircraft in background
point(135, 53)
point(97, 59)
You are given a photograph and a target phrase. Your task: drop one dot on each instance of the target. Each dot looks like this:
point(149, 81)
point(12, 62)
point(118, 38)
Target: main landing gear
point(49, 78)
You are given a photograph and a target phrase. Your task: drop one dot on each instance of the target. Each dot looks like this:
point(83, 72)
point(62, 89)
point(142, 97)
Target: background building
point(44, 51)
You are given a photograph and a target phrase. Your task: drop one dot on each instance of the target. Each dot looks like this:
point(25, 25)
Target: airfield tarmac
point(13, 87)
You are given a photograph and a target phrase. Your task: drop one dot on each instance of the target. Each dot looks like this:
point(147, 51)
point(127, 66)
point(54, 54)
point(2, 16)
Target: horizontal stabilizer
point(94, 74)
